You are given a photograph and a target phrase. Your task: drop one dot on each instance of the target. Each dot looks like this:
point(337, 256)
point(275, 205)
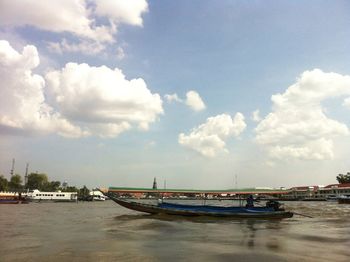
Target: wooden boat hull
point(9, 201)
point(344, 200)
point(13, 201)
point(213, 211)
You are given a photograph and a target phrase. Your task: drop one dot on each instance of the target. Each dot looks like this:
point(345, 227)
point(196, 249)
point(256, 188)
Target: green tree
point(342, 179)
point(3, 183)
point(37, 181)
point(83, 193)
point(70, 189)
point(52, 186)
point(16, 183)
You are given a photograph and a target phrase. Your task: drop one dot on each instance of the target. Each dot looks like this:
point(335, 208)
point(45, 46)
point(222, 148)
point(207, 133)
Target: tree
point(16, 183)
point(70, 189)
point(83, 193)
point(37, 181)
point(51, 186)
point(3, 183)
point(342, 179)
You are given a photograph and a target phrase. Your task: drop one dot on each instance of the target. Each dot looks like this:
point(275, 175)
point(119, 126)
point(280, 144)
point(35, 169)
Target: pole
point(13, 167)
point(26, 176)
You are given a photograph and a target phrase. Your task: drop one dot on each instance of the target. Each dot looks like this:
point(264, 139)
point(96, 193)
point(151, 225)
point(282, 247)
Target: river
point(104, 231)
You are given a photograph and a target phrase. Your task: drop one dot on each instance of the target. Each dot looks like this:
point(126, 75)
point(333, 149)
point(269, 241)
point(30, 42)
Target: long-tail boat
point(270, 211)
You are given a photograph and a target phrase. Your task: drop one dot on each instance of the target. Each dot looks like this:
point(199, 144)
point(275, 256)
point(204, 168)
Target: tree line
point(342, 179)
point(40, 182)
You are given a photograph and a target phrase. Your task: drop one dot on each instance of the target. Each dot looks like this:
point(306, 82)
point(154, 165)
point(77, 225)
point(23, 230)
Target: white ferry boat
point(38, 196)
point(96, 196)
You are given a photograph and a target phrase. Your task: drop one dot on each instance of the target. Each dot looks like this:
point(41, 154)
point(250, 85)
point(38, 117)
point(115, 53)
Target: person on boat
point(250, 201)
point(274, 204)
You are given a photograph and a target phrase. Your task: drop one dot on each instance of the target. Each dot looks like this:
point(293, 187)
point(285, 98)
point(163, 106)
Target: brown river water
point(104, 231)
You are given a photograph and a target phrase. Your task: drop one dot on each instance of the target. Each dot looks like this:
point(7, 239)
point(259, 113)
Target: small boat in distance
point(332, 198)
point(12, 198)
point(344, 199)
point(272, 209)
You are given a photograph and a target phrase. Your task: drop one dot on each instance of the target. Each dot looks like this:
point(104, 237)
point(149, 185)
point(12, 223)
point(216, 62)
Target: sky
point(199, 94)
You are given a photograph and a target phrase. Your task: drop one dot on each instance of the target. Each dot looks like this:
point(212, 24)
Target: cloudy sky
point(195, 93)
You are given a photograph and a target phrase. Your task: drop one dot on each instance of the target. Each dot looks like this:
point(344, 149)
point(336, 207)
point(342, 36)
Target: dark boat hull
point(13, 201)
point(213, 211)
point(344, 200)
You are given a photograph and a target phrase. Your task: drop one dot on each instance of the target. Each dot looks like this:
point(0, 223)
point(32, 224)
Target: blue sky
point(203, 68)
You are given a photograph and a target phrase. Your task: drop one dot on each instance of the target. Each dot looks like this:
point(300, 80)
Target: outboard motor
point(275, 205)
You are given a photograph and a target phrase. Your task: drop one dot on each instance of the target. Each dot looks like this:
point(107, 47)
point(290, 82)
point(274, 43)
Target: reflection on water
point(108, 232)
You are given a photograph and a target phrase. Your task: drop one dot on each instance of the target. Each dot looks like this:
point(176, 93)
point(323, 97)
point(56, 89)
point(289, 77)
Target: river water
point(104, 231)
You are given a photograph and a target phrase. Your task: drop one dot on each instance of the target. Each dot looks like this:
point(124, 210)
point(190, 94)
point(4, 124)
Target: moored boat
point(270, 211)
point(332, 198)
point(96, 196)
point(344, 199)
point(12, 198)
point(38, 196)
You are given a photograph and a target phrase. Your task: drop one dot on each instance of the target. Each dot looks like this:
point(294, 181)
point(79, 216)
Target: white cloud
point(256, 116)
point(22, 102)
point(102, 99)
point(346, 102)
point(150, 144)
point(121, 11)
point(86, 47)
point(209, 138)
point(173, 98)
point(194, 101)
point(77, 101)
point(298, 126)
point(120, 53)
point(55, 16)
point(90, 20)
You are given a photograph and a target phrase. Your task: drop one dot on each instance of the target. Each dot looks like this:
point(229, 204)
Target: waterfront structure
point(302, 192)
point(333, 189)
point(318, 192)
point(294, 193)
point(195, 193)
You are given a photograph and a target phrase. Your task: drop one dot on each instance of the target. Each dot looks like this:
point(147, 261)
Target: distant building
point(154, 183)
point(320, 192)
point(334, 189)
point(316, 192)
